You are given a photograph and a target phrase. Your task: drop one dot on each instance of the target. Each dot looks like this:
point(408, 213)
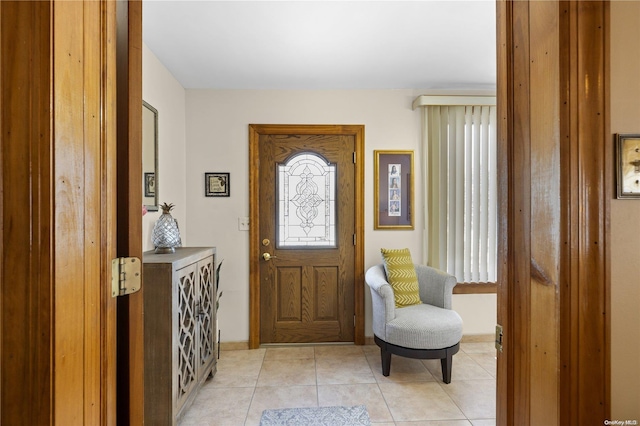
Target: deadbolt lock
point(266, 242)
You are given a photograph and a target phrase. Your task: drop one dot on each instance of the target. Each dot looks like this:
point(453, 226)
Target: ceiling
point(324, 44)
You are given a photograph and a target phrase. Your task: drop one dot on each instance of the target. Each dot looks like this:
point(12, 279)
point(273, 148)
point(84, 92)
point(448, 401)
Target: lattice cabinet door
point(187, 353)
point(206, 305)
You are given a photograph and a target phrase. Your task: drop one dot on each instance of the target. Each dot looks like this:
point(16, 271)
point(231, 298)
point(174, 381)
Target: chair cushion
point(424, 327)
point(401, 274)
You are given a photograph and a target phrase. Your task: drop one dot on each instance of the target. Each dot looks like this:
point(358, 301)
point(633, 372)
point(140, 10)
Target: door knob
point(267, 256)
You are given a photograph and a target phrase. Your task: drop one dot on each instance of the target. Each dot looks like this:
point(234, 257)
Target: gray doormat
point(317, 416)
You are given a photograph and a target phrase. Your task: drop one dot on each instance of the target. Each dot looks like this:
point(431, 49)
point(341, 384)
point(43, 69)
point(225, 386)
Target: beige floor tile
point(287, 372)
point(484, 422)
point(464, 368)
point(249, 381)
point(418, 401)
point(219, 407)
point(363, 394)
point(370, 349)
point(486, 361)
point(236, 372)
point(402, 370)
point(289, 352)
point(476, 398)
point(245, 355)
point(436, 423)
point(478, 347)
point(343, 370)
point(338, 351)
point(280, 397)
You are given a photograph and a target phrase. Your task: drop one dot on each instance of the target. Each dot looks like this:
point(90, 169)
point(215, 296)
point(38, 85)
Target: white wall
point(162, 91)
point(625, 218)
point(218, 140)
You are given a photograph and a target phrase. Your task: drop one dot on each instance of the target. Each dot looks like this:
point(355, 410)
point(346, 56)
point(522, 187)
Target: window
point(459, 144)
point(306, 202)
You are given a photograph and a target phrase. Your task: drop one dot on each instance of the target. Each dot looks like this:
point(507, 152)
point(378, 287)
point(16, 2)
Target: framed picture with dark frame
point(149, 184)
point(393, 190)
point(628, 165)
point(216, 185)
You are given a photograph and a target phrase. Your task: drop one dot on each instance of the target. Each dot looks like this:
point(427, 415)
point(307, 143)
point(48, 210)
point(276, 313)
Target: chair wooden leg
point(385, 357)
point(446, 364)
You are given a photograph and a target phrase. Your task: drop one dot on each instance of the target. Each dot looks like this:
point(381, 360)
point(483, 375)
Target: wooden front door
point(306, 233)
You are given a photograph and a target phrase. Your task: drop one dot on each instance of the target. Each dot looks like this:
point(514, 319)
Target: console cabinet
point(179, 330)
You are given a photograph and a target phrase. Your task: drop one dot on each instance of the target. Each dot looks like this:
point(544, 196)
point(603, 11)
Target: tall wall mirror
point(149, 157)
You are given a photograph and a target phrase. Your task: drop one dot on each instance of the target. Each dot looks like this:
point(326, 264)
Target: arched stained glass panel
point(306, 202)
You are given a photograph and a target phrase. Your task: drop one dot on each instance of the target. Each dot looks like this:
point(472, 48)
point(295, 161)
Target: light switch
point(243, 224)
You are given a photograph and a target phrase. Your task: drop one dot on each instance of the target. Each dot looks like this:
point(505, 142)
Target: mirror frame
point(153, 207)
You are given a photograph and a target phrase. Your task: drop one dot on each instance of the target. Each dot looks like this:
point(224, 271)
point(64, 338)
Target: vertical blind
point(459, 145)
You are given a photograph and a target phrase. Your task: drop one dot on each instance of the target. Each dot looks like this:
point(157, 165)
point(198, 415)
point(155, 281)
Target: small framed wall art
point(393, 189)
point(216, 184)
point(628, 165)
point(149, 184)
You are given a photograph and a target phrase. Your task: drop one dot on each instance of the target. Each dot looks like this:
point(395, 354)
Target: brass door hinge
point(499, 337)
point(125, 276)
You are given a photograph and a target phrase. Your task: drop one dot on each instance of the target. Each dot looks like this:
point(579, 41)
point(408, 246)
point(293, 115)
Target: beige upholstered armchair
point(430, 330)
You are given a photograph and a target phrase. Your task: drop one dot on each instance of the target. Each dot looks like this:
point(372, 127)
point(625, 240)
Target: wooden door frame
point(58, 156)
point(504, 367)
point(130, 357)
point(255, 130)
point(572, 358)
point(67, 128)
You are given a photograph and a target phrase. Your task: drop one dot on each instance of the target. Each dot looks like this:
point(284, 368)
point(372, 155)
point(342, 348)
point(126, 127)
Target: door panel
point(306, 292)
point(289, 293)
point(326, 293)
point(302, 283)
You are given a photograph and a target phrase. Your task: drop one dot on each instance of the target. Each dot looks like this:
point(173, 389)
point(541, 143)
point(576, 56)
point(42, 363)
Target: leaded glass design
point(306, 202)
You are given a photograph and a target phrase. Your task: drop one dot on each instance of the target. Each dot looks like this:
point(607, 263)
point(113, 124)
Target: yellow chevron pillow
point(401, 274)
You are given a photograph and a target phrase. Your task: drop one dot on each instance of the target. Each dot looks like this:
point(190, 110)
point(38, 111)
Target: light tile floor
point(249, 381)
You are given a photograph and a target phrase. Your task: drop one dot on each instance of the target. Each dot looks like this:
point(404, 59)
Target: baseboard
point(234, 346)
point(368, 340)
point(477, 338)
